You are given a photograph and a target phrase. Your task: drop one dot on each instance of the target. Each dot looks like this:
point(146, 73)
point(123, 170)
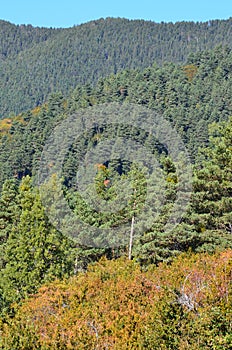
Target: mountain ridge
point(49, 60)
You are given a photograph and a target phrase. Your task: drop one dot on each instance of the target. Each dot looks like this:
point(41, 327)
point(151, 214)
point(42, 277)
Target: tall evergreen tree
point(35, 251)
point(212, 200)
point(9, 214)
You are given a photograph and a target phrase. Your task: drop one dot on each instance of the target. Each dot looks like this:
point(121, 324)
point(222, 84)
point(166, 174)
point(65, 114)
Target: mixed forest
point(173, 289)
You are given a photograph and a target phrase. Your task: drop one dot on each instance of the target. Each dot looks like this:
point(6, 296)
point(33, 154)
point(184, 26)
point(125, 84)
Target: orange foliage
point(106, 183)
point(190, 71)
point(115, 305)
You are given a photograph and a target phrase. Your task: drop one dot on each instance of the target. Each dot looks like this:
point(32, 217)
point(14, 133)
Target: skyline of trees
point(35, 62)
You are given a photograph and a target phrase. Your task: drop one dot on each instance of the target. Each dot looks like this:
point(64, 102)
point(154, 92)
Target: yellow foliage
point(5, 124)
point(36, 110)
point(190, 71)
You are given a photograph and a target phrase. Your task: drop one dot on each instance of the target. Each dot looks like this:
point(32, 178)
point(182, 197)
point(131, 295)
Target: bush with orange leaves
point(116, 305)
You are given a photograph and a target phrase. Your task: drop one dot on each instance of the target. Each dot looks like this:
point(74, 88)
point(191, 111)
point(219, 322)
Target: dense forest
point(37, 61)
point(165, 289)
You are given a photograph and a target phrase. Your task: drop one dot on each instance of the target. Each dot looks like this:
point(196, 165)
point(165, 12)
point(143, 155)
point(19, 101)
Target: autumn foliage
point(116, 305)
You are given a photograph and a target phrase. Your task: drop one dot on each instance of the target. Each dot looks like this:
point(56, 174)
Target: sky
point(66, 13)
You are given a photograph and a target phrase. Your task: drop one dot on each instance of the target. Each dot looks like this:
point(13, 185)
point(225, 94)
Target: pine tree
point(212, 200)
point(35, 251)
point(9, 214)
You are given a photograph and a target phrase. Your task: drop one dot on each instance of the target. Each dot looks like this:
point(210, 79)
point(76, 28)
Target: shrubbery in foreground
point(115, 305)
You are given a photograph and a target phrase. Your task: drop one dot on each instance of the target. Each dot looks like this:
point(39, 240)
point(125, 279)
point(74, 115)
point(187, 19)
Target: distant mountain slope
point(17, 38)
point(38, 61)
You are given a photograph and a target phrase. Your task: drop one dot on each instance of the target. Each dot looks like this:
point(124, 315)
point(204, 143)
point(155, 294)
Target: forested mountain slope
point(34, 251)
point(190, 97)
point(37, 61)
point(17, 38)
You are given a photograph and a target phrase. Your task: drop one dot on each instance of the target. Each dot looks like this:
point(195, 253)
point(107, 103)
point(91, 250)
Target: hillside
point(37, 61)
point(17, 38)
point(190, 97)
point(116, 186)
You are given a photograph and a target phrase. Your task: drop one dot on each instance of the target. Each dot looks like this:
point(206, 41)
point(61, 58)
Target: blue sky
point(66, 13)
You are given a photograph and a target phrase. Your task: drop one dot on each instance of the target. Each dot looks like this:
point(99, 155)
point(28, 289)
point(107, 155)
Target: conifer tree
point(212, 200)
point(35, 251)
point(9, 213)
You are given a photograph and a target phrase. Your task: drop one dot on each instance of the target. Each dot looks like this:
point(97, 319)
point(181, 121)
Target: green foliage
point(211, 210)
point(9, 213)
point(190, 105)
point(15, 39)
point(34, 251)
point(188, 300)
point(35, 62)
